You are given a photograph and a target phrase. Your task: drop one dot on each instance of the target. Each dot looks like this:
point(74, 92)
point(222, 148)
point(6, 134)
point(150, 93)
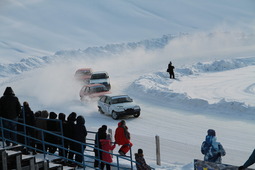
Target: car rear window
point(99, 76)
point(99, 89)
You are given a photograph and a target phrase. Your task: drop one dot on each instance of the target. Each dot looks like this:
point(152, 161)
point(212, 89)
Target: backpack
point(205, 147)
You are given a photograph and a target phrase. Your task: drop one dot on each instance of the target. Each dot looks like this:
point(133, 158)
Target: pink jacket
point(106, 146)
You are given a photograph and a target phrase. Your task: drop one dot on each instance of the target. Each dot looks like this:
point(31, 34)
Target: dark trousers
point(108, 166)
point(63, 152)
point(98, 156)
point(172, 75)
point(80, 149)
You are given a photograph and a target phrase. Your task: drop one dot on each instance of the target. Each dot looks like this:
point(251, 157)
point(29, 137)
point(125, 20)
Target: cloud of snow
point(204, 46)
point(52, 85)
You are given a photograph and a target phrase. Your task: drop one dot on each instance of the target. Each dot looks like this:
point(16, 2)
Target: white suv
point(118, 106)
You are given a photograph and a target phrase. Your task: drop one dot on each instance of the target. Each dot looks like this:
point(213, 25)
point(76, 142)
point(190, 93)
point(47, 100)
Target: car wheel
point(115, 115)
point(137, 114)
point(100, 110)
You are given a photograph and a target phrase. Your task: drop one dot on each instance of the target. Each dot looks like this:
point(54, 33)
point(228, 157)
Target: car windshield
point(121, 100)
point(99, 76)
point(98, 89)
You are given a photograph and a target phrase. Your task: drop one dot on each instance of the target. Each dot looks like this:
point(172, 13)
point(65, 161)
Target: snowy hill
point(211, 45)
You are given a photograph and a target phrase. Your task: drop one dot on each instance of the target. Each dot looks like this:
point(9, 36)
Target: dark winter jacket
point(29, 115)
point(101, 134)
point(70, 125)
point(170, 68)
point(10, 107)
point(62, 117)
point(41, 122)
point(80, 131)
point(141, 163)
point(52, 126)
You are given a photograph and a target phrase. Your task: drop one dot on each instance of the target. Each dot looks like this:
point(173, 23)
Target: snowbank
point(158, 86)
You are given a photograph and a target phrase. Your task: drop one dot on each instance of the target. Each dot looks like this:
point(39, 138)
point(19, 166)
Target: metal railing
point(26, 139)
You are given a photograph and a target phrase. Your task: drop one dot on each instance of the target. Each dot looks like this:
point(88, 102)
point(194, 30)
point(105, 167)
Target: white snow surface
point(210, 43)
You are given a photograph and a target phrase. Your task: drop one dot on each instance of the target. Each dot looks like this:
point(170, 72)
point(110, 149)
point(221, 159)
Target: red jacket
point(106, 146)
point(122, 135)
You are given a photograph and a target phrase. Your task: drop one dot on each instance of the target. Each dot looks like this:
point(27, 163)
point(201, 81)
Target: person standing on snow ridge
point(212, 149)
point(170, 70)
point(122, 137)
point(10, 108)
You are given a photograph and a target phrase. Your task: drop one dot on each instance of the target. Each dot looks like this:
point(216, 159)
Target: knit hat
point(211, 132)
point(80, 120)
point(8, 91)
point(72, 116)
point(44, 114)
point(123, 123)
point(140, 151)
point(104, 127)
point(62, 116)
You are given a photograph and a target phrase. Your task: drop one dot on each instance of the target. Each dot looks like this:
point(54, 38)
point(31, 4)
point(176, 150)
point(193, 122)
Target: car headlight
point(137, 108)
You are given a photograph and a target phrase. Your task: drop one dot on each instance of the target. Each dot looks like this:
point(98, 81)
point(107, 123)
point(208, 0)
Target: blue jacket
point(215, 150)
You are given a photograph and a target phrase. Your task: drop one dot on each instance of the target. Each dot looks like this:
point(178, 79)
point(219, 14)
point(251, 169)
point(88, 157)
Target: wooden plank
point(28, 160)
point(3, 159)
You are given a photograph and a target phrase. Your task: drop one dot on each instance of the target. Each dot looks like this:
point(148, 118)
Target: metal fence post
point(2, 131)
point(110, 132)
point(158, 150)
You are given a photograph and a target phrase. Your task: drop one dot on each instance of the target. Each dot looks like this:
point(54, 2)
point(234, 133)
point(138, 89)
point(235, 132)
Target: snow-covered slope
point(42, 27)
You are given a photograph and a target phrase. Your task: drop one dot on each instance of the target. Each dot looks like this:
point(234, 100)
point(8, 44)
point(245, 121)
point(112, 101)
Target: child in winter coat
point(122, 137)
point(212, 149)
point(106, 146)
point(141, 164)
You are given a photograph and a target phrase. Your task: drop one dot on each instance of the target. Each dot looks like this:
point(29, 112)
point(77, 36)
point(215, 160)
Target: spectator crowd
point(71, 127)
